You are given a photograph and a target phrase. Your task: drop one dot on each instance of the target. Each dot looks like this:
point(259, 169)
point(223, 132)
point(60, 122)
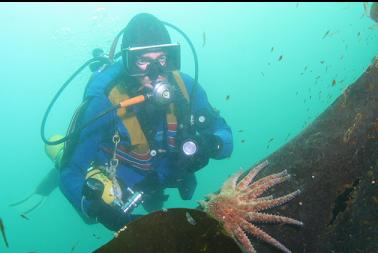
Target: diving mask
point(138, 65)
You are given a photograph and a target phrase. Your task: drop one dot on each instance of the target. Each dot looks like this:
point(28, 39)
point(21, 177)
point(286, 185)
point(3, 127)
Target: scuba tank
point(55, 152)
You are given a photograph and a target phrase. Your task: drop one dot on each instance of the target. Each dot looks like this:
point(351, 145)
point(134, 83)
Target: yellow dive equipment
point(55, 152)
point(108, 191)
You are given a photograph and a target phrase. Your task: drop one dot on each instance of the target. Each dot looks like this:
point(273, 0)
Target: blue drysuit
point(95, 138)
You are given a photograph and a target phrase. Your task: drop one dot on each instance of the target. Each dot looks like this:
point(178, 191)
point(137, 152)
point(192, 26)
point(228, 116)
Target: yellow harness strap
point(171, 116)
point(131, 122)
point(181, 84)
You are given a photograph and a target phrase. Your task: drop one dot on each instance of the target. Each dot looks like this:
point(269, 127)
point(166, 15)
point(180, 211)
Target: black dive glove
point(206, 146)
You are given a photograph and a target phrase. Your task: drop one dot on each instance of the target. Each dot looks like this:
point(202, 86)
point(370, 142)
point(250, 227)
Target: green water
point(265, 100)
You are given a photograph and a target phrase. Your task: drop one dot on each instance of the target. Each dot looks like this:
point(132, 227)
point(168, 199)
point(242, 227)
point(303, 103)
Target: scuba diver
point(143, 127)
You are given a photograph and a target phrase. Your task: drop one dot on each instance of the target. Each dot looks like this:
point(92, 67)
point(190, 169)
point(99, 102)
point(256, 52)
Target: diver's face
point(143, 63)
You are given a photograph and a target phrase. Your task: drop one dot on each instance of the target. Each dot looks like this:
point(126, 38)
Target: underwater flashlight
point(189, 147)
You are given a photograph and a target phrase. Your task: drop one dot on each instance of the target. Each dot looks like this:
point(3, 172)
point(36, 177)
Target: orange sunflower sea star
point(239, 203)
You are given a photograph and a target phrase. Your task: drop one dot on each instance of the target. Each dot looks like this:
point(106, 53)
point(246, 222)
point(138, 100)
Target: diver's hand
point(208, 147)
point(93, 189)
point(112, 218)
point(94, 193)
point(210, 144)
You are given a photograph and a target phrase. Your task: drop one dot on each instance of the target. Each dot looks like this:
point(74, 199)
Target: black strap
point(183, 112)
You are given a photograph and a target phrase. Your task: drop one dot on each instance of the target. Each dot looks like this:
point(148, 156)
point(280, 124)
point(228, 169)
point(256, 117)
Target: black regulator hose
point(195, 60)
point(65, 84)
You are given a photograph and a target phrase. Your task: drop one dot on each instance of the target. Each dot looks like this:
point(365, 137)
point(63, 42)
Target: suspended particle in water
point(325, 35)
point(203, 39)
point(24, 216)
